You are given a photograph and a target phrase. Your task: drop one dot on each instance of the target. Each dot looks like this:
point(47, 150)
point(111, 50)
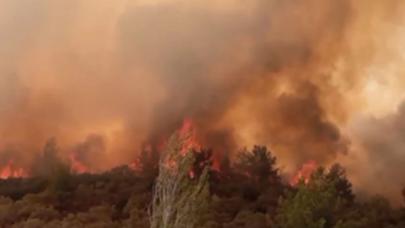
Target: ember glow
point(11, 171)
point(304, 174)
point(77, 166)
point(314, 80)
point(188, 134)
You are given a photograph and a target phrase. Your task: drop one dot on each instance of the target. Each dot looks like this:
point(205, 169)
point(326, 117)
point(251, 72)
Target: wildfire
point(11, 171)
point(304, 173)
point(189, 135)
point(216, 163)
point(77, 166)
point(135, 165)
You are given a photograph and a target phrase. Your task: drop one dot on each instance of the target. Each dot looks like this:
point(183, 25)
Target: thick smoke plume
point(106, 77)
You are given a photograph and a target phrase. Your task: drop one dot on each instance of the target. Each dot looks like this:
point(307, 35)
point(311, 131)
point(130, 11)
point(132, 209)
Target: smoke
point(377, 161)
point(219, 58)
point(91, 152)
point(105, 78)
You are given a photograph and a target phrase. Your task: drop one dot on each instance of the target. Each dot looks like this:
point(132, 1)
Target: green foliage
point(337, 175)
point(248, 219)
point(121, 197)
point(52, 168)
point(178, 197)
point(60, 180)
point(258, 164)
point(257, 173)
point(316, 203)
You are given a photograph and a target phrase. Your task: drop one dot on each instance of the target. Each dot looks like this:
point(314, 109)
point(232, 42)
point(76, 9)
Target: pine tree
point(311, 206)
point(322, 202)
point(258, 164)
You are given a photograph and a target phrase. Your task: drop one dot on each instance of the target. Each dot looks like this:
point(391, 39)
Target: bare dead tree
point(178, 196)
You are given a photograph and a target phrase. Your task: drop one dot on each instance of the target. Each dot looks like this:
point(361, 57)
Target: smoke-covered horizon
point(313, 80)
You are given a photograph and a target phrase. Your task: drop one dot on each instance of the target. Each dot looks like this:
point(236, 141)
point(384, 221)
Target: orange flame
point(77, 166)
point(188, 134)
point(216, 164)
point(10, 171)
point(135, 165)
point(304, 173)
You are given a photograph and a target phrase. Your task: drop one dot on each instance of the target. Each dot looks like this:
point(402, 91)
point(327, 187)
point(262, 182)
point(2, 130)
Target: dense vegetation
point(248, 192)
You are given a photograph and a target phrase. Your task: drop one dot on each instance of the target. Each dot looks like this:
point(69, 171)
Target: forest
point(180, 188)
point(202, 114)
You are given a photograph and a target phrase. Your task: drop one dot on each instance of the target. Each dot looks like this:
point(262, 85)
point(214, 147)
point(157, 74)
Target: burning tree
point(179, 194)
point(320, 201)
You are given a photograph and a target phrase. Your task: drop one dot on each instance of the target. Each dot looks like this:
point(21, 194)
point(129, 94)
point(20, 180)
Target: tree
point(202, 159)
point(337, 175)
point(149, 161)
point(50, 167)
point(311, 206)
point(256, 173)
point(178, 198)
point(259, 164)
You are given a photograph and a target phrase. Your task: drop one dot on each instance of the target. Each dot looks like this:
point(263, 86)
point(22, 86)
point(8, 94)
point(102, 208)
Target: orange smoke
point(286, 74)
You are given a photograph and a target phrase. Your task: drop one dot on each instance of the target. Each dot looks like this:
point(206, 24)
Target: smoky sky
point(379, 167)
point(104, 78)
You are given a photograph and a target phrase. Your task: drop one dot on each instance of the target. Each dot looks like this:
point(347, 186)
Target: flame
point(77, 166)
point(135, 165)
point(188, 134)
point(216, 164)
point(10, 171)
point(304, 173)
